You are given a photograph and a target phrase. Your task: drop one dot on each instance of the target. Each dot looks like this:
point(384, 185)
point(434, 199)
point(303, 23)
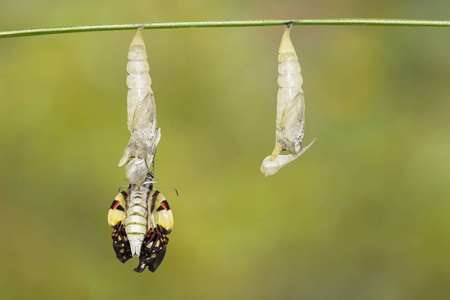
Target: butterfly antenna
point(169, 188)
point(120, 187)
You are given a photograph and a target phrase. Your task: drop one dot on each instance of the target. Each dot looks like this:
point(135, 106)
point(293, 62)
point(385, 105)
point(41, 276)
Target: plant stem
point(350, 22)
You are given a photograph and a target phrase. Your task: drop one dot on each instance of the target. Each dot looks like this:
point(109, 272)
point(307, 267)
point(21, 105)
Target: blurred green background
point(363, 214)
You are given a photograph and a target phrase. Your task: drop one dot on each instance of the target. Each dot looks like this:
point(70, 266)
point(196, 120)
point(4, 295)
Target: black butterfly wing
point(152, 252)
point(155, 262)
point(121, 244)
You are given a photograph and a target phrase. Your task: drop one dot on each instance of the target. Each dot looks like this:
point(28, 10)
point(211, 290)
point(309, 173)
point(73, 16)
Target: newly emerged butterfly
point(141, 111)
point(290, 120)
point(142, 219)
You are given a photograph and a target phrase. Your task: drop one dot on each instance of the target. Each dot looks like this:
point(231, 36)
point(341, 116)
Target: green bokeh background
point(363, 214)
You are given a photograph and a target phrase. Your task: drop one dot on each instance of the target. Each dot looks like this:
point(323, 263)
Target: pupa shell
point(290, 119)
point(141, 106)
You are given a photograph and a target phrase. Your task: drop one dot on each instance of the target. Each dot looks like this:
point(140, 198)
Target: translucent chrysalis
point(290, 120)
point(141, 111)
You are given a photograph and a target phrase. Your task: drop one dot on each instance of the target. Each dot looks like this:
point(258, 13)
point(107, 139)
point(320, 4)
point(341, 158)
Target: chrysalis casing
point(141, 110)
point(290, 120)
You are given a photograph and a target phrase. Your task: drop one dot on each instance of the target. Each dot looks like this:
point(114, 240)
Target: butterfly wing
point(153, 251)
point(116, 216)
point(160, 224)
point(121, 245)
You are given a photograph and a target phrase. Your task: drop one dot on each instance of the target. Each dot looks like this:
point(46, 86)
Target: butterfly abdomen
point(136, 222)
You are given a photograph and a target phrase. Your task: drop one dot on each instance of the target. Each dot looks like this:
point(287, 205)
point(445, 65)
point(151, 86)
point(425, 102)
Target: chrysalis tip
point(286, 43)
point(138, 40)
point(270, 167)
point(125, 158)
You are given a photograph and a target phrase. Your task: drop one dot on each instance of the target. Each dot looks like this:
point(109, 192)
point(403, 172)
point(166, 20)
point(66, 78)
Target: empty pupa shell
point(290, 120)
point(141, 106)
point(270, 167)
point(136, 171)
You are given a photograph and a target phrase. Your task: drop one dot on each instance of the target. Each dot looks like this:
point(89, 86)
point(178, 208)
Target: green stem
point(351, 22)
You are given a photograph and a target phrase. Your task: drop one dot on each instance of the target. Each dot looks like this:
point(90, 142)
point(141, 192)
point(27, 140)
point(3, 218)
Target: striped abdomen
point(136, 216)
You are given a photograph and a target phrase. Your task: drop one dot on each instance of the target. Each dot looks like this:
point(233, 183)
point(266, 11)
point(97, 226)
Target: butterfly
point(141, 219)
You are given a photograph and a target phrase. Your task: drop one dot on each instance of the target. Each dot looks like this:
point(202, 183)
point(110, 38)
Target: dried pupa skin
point(138, 79)
point(141, 108)
point(290, 119)
point(270, 167)
point(136, 171)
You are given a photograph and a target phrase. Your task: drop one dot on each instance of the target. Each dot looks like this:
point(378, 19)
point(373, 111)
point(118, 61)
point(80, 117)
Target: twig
point(348, 22)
